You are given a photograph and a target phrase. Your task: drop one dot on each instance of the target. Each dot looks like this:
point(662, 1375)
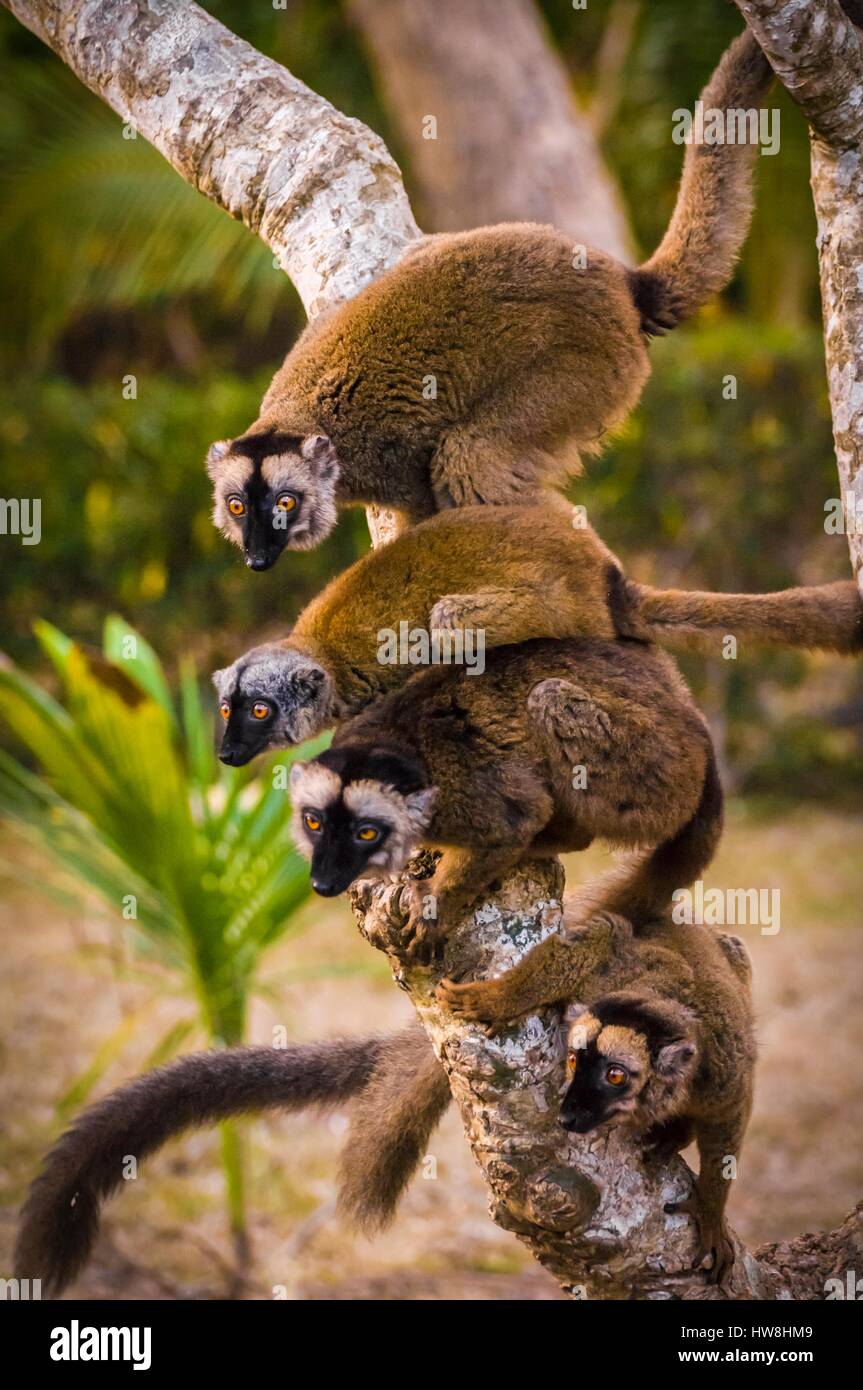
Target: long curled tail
point(641, 888)
point(824, 617)
point(714, 204)
point(60, 1219)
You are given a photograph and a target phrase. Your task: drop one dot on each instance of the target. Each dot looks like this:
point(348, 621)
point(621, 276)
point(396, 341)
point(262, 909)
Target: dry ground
point(64, 993)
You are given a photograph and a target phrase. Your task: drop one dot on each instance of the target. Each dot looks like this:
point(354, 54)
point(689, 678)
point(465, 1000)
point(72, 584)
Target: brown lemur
point(660, 1040)
point(558, 744)
point(506, 575)
point(395, 1085)
point(398, 1090)
point(482, 366)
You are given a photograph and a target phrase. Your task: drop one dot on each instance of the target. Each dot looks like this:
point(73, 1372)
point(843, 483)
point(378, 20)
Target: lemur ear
point(676, 1058)
point(420, 805)
point(319, 450)
point(573, 1012)
point(219, 678)
point(309, 680)
point(215, 454)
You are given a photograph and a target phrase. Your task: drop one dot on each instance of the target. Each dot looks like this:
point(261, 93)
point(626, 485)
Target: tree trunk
point(324, 193)
point(508, 143)
point(317, 187)
point(591, 1210)
point(817, 53)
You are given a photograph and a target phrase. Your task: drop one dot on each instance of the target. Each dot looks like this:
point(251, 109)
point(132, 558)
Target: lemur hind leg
point(571, 717)
point(481, 463)
point(555, 970)
point(504, 616)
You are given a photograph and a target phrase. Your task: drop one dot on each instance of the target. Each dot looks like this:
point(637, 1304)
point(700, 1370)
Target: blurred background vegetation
point(112, 266)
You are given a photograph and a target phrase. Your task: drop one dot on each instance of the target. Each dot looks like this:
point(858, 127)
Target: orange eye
point(236, 506)
point(287, 502)
point(368, 833)
point(225, 709)
point(572, 1059)
point(615, 1076)
point(312, 821)
point(260, 710)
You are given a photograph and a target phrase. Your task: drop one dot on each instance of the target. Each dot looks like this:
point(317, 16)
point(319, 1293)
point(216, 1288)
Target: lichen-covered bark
point(318, 187)
point(510, 143)
point(590, 1209)
point(817, 52)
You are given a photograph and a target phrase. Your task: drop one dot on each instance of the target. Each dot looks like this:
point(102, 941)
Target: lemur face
point(273, 491)
point(273, 697)
point(357, 817)
point(628, 1063)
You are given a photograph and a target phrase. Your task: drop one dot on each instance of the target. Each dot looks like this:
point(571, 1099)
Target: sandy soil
point(67, 987)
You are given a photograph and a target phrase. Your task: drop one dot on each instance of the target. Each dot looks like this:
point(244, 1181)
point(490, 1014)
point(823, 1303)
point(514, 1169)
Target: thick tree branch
point(817, 52)
point(590, 1209)
point(510, 142)
point(318, 187)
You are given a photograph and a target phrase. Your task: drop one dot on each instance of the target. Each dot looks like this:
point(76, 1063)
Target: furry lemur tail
point(641, 888)
point(392, 1121)
point(60, 1219)
point(826, 617)
point(714, 203)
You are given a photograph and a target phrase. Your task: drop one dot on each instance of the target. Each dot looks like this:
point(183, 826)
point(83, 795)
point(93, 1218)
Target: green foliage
point(704, 491)
point(130, 804)
point(126, 517)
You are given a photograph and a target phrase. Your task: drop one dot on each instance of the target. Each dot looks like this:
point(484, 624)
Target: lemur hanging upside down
point(482, 366)
point(661, 1007)
point(559, 743)
point(507, 574)
point(659, 1040)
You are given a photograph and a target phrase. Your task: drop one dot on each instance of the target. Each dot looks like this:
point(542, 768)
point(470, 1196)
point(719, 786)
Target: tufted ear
point(215, 454)
point(222, 679)
point(573, 1012)
point(676, 1059)
point(319, 450)
point(308, 680)
point(420, 807)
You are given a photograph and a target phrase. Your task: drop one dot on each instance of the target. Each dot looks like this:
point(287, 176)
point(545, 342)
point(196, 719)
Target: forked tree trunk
point(323, 192)
point(484, 106)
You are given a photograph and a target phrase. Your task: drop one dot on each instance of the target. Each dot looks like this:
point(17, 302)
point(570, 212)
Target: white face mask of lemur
point(272, 492)
point(631, 1060)
point(273, 697)
point(358, 814)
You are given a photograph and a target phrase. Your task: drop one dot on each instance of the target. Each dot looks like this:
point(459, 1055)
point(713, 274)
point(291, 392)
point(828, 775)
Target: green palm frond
point(130, 803)
point(89, 216)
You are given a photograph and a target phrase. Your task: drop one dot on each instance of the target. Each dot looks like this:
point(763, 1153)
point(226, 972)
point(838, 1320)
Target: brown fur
point(515, 573)
point(392, 1120)
point(534, 355)
point(500, 753)
point(60, 1219)
point(826, 617)
point(680, 982)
